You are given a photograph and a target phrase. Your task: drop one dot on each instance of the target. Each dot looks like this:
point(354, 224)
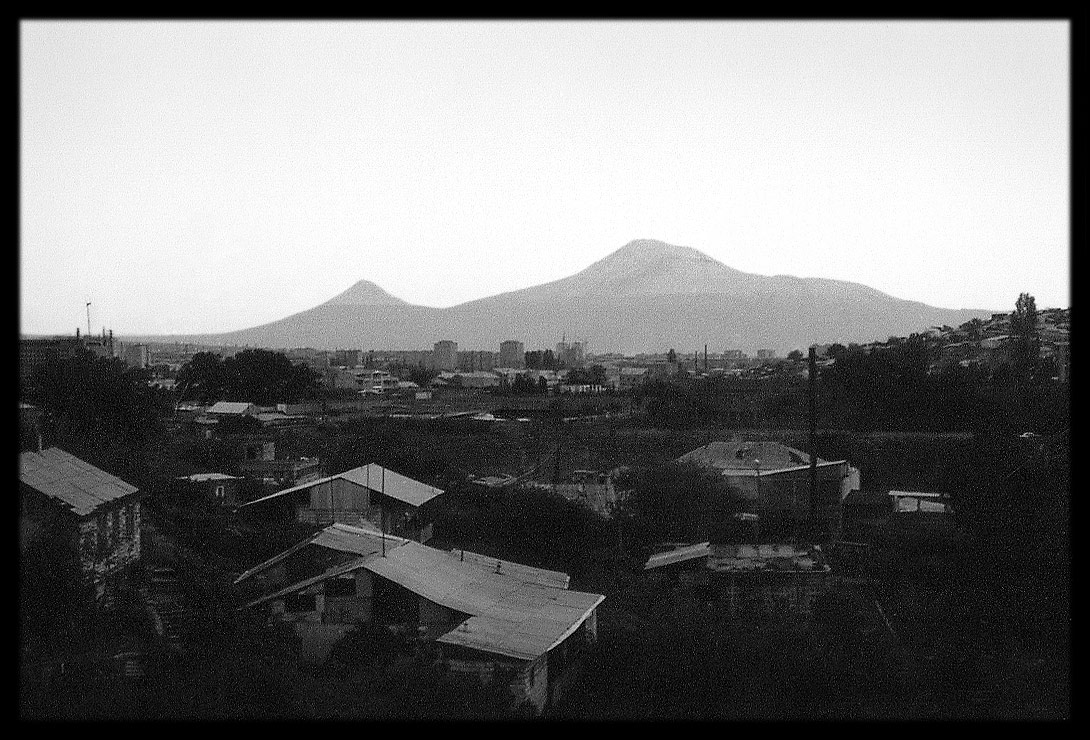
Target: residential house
point(493, 619)
point(96, 513)
point(255, 459)
point(775, 478)
point(747, 580)
point(370, 493)
point(218, 489)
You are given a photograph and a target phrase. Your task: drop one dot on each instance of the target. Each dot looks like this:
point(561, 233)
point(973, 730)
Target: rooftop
point(514, 610)
point(229, 407)
point(740, 457)
point(78, 485)
point(375, 478)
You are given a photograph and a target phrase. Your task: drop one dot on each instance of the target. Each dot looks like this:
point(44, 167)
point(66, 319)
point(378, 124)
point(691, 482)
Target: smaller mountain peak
point(648, 250)
point(365, 293)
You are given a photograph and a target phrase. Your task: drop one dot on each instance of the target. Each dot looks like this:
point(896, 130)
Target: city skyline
point(199, 177)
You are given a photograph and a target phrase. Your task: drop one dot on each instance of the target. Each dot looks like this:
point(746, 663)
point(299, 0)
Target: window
point(295, 603)
point(219, 494)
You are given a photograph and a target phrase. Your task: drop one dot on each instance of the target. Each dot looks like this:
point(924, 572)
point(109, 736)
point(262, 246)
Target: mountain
point(365, 293)
point(646, 296)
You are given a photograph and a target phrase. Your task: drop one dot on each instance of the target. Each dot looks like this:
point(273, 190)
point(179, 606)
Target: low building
point(368, 494)
point(776, 479)
point(746, 580)
point(95, 513)
point(218, 489)
point(493, 619)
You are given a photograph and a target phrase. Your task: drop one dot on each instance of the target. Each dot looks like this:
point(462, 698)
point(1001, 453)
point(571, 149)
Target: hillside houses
point(497, 620)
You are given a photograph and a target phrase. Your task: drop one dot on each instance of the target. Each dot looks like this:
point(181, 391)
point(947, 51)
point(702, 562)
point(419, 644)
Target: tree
point(1024, 328)
point(794, 355)
point(254, 375)
point(93, 403)
point(671, 356)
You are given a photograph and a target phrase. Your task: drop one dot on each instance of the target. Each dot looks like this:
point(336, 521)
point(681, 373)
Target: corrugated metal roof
point(516, 612)
point(396, 486)
point(360, 540)
point(916, 494)
point(509, 617)
point(201, 477)
point(64, 477)
point(229, 407)
point(525, 573)
point(679, 555)
point(782, 558)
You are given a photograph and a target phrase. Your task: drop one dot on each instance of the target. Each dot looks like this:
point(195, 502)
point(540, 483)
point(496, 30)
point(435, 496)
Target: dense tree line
point(253, 375)
point(890, 389)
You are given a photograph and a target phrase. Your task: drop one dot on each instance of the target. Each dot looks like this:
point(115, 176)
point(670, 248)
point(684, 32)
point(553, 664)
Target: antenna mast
point(88, 318)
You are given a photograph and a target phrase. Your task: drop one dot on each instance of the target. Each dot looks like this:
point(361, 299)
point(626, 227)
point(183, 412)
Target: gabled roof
point(509, 617)
point(395, 485)
point(680, 555)
point(525, 573)
point(229, 407)
point(358, 540)
point(371, 476)
point(65, 478)
point(520, 611)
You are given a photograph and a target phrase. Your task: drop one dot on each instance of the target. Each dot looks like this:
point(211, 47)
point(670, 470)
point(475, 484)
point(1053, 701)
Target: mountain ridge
point(646, 296)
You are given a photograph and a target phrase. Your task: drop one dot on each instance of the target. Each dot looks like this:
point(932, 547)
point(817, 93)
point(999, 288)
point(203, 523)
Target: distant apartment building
point(476, 360)
point(445, 355)
point(733, 354)
point(571, 354)
point(36, 353)
point(133, 354)
point(766, 354)
point(345, 358)
point(512, 354)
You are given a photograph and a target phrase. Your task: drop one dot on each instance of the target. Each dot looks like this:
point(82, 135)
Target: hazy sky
point(211, 176)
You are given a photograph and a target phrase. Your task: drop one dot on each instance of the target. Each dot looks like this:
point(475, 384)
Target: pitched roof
point(358, 540)
point(75, 483)
point(680, 555)
point(395, 485)
point(520, 611)
point(370, 476)
point(201, 477)
point(229, 407)
point(509, 616)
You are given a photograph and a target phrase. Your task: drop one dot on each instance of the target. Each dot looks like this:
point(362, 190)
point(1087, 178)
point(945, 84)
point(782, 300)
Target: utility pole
point(88, 319)
point(813, 431)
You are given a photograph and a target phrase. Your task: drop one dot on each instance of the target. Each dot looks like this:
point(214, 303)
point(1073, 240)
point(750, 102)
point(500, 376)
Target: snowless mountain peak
point(365, 293)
